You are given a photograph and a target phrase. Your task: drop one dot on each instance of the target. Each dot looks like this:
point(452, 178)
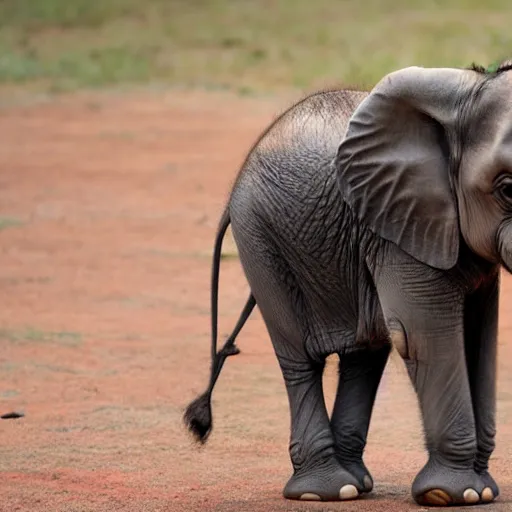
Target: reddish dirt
point(105, 320)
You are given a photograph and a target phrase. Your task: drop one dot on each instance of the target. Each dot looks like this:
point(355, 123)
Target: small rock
point(12, 415)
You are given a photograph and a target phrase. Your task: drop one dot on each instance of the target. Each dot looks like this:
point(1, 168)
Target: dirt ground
point(108, 205)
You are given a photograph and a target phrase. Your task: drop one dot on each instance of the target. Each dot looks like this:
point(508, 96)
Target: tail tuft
point(198, 417)
point(229, 349)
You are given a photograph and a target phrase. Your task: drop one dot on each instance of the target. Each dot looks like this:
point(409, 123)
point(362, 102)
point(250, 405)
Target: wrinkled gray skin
point(396, 234)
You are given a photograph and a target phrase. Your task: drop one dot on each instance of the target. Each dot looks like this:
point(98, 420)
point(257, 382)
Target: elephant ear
point(393, 165)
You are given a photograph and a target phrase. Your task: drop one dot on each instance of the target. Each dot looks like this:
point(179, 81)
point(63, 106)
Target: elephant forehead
point(502, 143)
point(489, 147)
point(507, 75)
point(504, 130)
point(498, 108)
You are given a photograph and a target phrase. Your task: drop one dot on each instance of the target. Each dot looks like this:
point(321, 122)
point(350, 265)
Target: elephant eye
point(506, 191)
point(503, 189)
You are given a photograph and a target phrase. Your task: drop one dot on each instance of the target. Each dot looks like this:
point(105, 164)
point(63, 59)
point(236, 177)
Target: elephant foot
point(438, 485)
point(329, 482)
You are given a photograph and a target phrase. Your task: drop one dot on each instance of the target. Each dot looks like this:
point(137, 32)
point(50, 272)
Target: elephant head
point(427, 161)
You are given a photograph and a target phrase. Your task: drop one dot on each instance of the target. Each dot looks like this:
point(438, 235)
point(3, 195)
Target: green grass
point(9, 222)
point(35, 335)
point(245, 45)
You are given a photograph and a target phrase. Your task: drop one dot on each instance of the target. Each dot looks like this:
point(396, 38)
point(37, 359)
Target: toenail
point(471, 496)
point(487, 494)
point(348, 492)
point(309, 496)
point(437, 497)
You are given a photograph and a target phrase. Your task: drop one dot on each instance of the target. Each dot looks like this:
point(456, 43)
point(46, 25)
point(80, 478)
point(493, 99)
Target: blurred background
point(122, 126)
point(247, 46)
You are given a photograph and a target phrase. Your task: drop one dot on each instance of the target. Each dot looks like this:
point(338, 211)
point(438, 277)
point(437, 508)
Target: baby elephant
point(365, 219)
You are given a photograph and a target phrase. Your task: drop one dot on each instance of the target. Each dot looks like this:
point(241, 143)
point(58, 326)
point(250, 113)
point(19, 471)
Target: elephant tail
point(198, 414)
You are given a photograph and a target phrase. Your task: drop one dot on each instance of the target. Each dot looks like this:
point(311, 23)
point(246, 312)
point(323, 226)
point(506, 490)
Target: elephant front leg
point(359, 377)
point(438, 371)
point(481, 327)
point(426, 309)
point(449, 477)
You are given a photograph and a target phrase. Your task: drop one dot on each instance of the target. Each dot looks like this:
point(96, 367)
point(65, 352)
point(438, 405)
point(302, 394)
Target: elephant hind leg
point(360, 373)
point(317, 475)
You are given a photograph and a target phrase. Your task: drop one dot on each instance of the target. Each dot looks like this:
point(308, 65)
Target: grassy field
point(245, 45)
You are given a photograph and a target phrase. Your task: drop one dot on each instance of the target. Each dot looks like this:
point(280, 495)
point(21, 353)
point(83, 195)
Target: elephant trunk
point(505, 245)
